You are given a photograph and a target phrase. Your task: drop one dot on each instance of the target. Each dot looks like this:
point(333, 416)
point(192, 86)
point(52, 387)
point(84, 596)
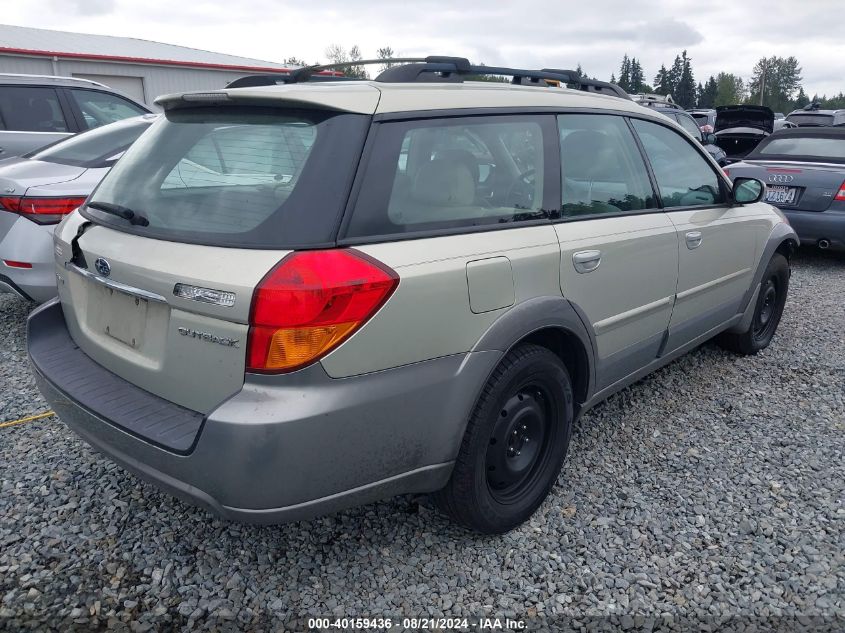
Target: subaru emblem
point(102, 266)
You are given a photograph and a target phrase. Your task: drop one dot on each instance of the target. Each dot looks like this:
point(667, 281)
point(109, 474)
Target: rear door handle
point(586, 261)
point(693, 239)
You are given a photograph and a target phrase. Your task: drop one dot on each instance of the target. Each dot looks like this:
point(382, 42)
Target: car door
point(619, 252)
point(718, 244)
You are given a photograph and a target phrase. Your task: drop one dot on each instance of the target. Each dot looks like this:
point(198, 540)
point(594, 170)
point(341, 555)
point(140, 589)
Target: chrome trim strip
point(616, 319)
point(116, 285)
point(710, 284)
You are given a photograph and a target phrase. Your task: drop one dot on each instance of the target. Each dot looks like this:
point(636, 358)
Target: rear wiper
point(120, 211)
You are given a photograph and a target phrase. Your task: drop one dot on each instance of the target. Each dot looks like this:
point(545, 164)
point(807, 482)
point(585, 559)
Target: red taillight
point(311, 302)
point(41, 210)
point(727, 172)
point(13, 264)
point(840, 196)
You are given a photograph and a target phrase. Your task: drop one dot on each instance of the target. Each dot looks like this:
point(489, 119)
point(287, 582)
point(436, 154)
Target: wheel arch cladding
point(783, 240)
point(556, 324)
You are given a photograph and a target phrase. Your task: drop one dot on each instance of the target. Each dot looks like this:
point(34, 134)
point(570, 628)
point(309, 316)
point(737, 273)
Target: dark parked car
point(813, 116)
point(36, 110)
point(679, 115)
point(804, 169)
point(705, 117)
point(739, 128)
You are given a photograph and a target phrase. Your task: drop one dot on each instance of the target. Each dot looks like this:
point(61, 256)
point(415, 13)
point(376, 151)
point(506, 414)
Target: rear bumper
point(22, 240)
point(813, 226)
point(282, 449)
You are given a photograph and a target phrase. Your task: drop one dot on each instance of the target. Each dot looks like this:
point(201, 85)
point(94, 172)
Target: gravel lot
point(713, 488)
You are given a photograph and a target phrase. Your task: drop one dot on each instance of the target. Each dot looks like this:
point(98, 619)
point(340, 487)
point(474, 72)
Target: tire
point(514, 445)
point(767, 313)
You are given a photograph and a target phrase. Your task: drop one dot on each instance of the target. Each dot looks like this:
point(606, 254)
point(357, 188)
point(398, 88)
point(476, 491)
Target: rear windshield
point(810, 119)
point(815, 146)
point(97, 148)
point(237, 176)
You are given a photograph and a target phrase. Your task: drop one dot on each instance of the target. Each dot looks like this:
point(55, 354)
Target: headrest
point(40, 110)
point(444, 182)
point(463, 156)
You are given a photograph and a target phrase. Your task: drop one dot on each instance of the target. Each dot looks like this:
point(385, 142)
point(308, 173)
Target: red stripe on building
point(148, 60)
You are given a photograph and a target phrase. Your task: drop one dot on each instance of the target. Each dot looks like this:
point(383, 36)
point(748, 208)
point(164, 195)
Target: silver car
point(37, 110)
point(39, 189)
point(288, 299)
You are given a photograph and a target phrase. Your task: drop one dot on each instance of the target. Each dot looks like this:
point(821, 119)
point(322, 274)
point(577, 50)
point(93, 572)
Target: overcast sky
point(720, 35)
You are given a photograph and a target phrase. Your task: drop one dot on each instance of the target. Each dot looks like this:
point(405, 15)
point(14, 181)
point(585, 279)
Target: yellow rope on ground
point(29, 419)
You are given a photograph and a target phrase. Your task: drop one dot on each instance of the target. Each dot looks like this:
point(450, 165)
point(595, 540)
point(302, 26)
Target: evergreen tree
point(662, 81)
point(625, 74)
point(684, 91)
point(801, 100)
point(708, 93)
point(638, 77)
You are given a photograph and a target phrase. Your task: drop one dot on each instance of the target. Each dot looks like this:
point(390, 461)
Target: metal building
point(138, 68)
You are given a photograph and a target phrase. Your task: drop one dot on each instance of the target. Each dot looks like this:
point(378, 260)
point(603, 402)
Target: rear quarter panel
point(429, 315)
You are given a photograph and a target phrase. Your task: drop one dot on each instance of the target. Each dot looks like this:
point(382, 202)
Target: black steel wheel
point(514, 445)
point(771, 299)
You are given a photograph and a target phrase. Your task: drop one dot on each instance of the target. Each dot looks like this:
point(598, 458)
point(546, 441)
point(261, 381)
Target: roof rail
point(458, 69)
point(54, 77)
point(252, 81)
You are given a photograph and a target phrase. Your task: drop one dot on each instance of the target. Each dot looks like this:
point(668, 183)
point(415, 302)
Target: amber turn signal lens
point(292, 348)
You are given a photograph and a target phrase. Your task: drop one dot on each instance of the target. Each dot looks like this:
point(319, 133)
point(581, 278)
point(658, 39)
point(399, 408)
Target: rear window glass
point(96, 148)
point(803, 146)
point(810, 119)
point(451, 173)
point(248, 176)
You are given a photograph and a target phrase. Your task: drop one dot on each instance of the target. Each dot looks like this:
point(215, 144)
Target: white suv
point(290, 299)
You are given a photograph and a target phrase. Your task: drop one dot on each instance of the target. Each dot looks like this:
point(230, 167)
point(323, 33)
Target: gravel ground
point(712, 488)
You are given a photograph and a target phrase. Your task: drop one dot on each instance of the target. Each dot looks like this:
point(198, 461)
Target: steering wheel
point(521, 191)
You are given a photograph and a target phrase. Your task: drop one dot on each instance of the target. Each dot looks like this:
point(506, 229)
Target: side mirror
point(709, 138)
point(748, 190)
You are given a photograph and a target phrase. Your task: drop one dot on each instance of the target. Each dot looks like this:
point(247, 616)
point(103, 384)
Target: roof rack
point(651, 100)
point(439, 69)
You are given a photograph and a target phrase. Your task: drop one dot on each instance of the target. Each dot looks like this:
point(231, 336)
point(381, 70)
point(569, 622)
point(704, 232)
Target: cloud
point(83, 7)
point(669, 32)
point(719, 35)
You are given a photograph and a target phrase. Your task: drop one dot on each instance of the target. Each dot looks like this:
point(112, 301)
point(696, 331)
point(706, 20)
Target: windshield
point(96, 147)
point(810, 119)
point(818, 147)
point(236, 176)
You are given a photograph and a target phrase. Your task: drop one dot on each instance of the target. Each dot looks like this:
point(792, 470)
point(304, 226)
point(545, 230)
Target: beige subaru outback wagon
point(291, 298)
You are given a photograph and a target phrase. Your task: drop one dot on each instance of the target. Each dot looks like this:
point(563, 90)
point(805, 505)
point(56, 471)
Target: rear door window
point(439, 174)
point(241, 176)
point(31, 109)
point(602, 168)
point(101, 108)
point(685, 178)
